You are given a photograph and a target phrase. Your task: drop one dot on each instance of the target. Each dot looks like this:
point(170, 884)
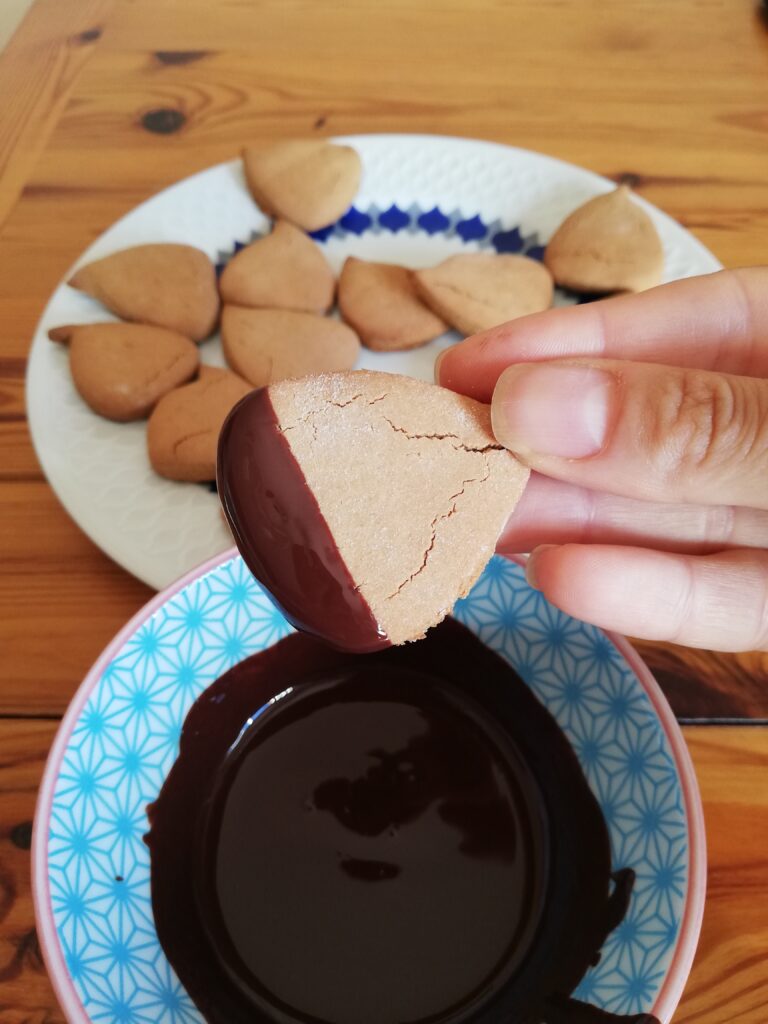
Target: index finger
point(715, 322)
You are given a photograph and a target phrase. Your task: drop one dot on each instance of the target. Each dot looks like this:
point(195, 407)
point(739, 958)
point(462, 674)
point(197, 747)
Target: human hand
point(645, 420)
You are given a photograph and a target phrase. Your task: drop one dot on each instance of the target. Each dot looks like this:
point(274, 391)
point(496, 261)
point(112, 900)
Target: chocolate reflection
point(400, 785)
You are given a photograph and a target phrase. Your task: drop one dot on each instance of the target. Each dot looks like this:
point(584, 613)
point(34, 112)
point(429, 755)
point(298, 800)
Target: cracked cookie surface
point(413, 486)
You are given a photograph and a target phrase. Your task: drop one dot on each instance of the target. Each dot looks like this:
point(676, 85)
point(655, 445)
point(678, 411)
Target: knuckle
point(760, 641)
point(491, 343)
point(719, 523)
point(722, 603)
point(683, 613)
point(707, 423)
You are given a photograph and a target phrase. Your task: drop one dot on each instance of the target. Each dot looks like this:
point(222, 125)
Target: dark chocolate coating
point(401, 837)
point(281, 533)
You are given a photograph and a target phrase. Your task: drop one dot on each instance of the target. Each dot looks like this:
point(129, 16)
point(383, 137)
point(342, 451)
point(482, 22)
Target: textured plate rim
point(678, 971)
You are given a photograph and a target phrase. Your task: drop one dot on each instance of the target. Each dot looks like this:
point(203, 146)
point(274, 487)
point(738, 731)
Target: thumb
point(641, 430)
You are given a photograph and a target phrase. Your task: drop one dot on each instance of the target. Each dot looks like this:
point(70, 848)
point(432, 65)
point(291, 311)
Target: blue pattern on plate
point(126, 739)
point(355, 221)
point(394, 219)
point(508, 241)
point(472, 229)
point(434, 222)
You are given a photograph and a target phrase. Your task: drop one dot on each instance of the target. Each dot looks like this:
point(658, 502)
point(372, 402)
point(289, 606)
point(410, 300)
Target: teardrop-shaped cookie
point(267, 345)
point(123, 370)
point(183, 431)
point(366, 503)
point(607, 245)
point(475, 291)
point(285, 270)
point(380, 301)
point(165, 284)
point(309, 182)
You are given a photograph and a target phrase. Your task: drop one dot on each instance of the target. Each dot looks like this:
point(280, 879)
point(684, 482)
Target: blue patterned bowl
point(120, 737)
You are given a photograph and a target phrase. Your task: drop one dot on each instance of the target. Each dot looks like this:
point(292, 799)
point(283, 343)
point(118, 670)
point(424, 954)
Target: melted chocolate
point(401, 837)
point(281, 533)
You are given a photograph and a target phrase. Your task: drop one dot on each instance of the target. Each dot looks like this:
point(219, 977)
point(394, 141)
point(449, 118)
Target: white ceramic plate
point(422, 199)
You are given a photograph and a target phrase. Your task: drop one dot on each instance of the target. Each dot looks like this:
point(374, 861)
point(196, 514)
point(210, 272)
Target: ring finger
point(554, 512)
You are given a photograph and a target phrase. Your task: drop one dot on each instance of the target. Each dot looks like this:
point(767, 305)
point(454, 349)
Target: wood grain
point(26, 996)
point(709, 684)
point(61, 602)
point(107, 101)
point(728, 982)
point(56, 41)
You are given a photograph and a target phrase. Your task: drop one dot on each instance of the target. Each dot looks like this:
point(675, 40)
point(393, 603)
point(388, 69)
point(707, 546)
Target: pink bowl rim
point(53, 957)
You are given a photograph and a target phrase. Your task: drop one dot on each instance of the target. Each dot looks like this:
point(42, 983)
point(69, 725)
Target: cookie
point(183, 430)
point(285, 270)
point(123, 370)
point(380, 301)
point(474, 291)
point(607, 245)
point(168, 285)
point(267, 345)
point(366, 503)
point(309, 182)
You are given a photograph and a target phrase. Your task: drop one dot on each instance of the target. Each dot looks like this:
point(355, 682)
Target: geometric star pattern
point(486, 234)
point(126, 739)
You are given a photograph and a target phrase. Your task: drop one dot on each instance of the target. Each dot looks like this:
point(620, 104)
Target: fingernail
point(549, 409)
point(440, 357)
point(531, 565)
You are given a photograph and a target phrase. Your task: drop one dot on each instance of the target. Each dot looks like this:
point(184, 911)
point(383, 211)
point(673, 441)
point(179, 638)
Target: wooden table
point(106, 102)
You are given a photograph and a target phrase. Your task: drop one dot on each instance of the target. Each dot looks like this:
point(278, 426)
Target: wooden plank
point(17, 457)
point(38, 70)
point(728, 982)
point(61, 601)
point(709, 684)
point(26, 996)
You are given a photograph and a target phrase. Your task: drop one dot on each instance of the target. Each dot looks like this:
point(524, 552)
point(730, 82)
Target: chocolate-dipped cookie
point(366, 503)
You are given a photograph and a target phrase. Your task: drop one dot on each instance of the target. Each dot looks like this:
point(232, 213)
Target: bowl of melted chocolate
point(391, 837)
point(402, 837)
point(497, 824)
